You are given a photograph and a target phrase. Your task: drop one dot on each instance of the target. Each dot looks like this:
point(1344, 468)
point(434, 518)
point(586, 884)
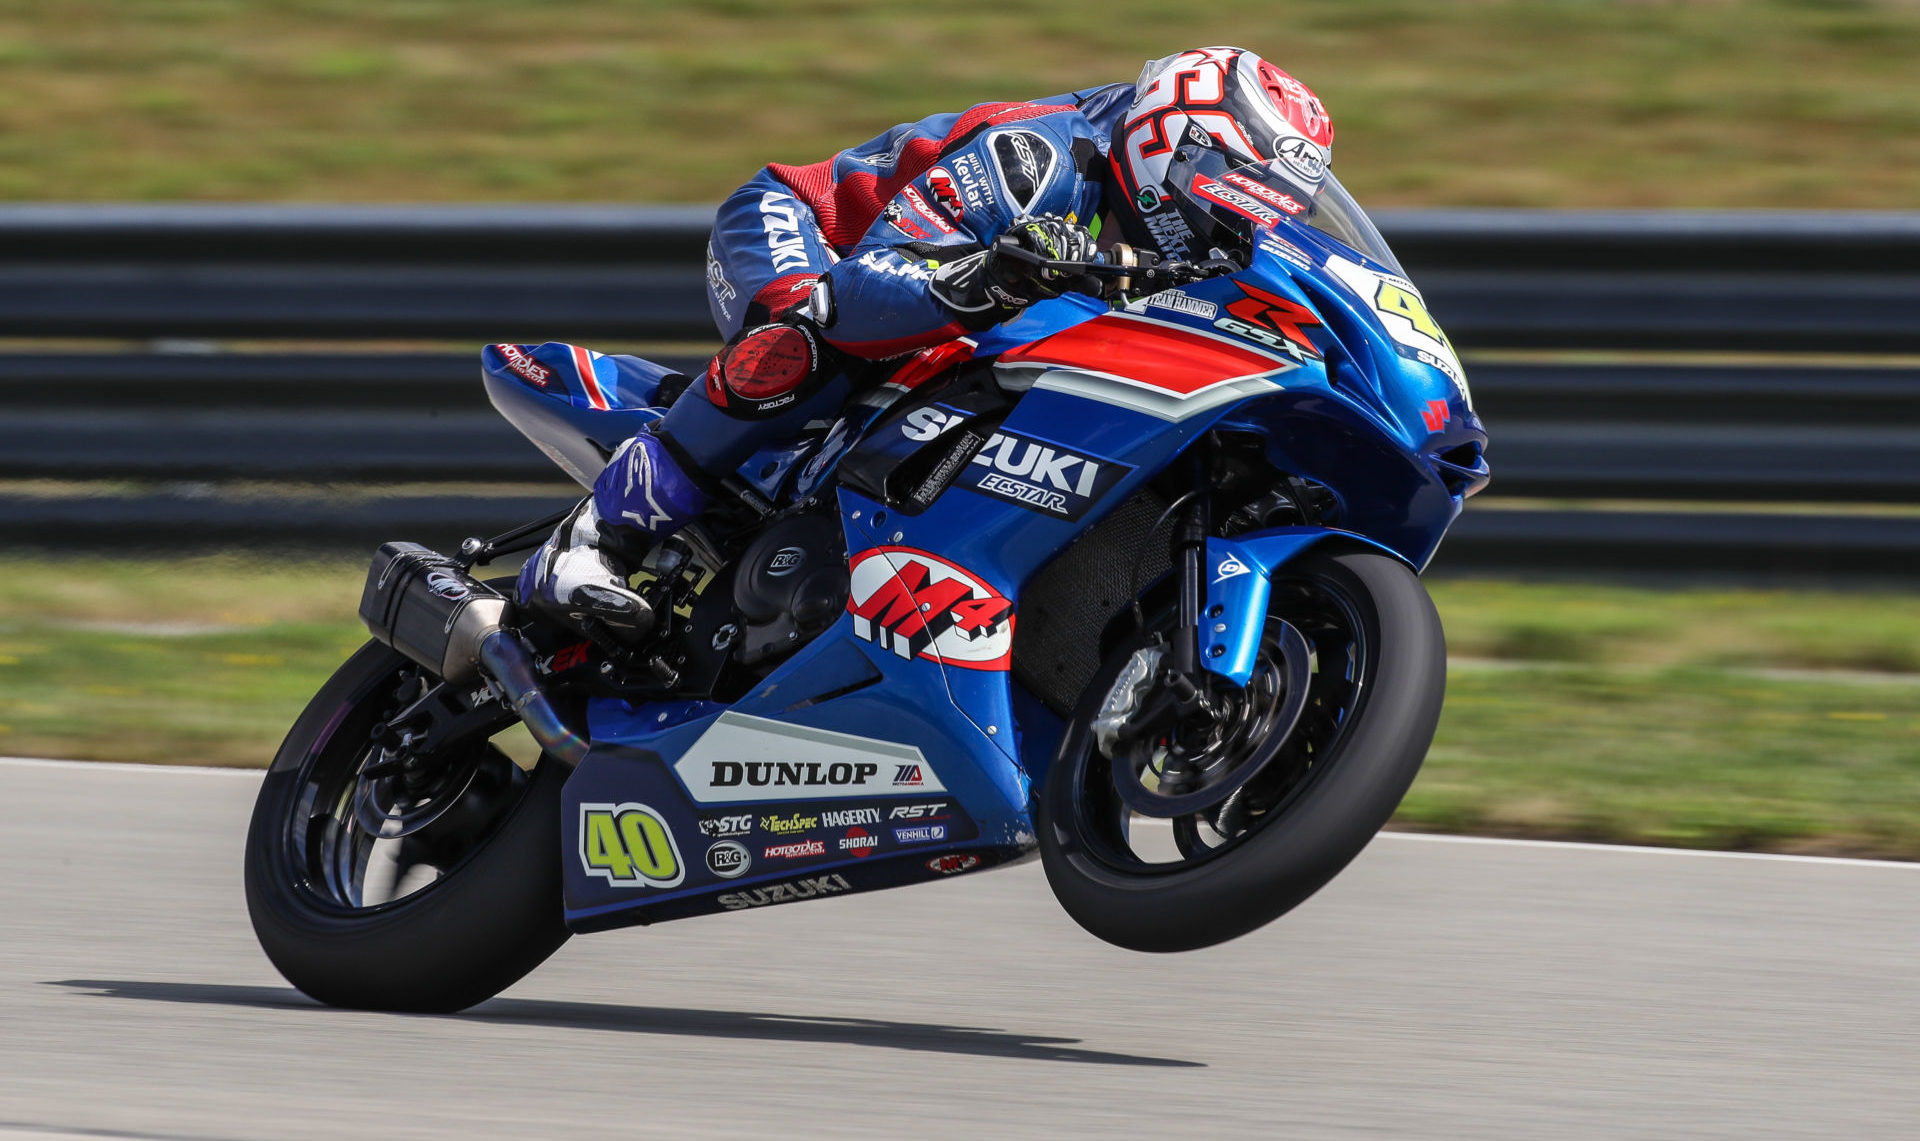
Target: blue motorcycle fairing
point(574, 404)
point(921, 658)
point(1240, 582)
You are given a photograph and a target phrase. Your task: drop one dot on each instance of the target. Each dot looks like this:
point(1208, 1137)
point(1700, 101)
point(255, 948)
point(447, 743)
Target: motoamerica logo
point(1037, 474)
point(919, 605)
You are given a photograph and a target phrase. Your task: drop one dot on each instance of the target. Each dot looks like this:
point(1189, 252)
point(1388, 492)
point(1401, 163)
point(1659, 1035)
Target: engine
point(790, 584)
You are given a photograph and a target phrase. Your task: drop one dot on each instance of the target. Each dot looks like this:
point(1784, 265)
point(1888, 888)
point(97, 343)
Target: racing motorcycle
point(1133, 586)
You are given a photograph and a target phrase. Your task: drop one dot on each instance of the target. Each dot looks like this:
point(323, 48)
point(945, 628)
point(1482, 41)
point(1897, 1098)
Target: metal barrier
point(220, 446)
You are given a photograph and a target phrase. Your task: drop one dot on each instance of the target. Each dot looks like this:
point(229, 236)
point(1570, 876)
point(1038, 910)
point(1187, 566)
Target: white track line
point(1427, 837)
point(1646, 850)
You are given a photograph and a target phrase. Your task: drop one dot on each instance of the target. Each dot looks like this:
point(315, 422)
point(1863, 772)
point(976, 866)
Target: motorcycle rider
point(887, 250)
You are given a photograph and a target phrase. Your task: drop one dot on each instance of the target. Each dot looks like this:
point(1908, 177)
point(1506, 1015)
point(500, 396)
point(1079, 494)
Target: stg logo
point(919, 605)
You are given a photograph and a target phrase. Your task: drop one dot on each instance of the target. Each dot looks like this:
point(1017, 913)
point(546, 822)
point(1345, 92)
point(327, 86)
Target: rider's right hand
point(1049, 237)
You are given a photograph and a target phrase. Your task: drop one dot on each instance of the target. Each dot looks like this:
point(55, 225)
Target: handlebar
point(1146, 269)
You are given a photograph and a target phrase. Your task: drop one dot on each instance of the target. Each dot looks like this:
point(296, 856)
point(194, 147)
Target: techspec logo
point(919, 605)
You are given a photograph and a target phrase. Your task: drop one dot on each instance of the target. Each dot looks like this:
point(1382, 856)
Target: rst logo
point(1036, 474)
point(629, 845)
point(920, 605)
point(935, 811)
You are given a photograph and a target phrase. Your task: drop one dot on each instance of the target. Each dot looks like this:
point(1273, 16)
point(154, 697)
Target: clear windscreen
point(1260, 193)
point(1333, 212)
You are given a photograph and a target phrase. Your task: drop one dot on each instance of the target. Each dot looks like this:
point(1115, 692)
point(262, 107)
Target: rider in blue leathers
point(887, 249)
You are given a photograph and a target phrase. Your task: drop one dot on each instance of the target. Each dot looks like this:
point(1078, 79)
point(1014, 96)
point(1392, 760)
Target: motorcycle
point(1134, 587)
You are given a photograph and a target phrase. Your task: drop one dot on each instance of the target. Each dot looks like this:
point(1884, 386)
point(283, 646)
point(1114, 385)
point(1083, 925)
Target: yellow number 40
point(1393, 299)
point(628, 845)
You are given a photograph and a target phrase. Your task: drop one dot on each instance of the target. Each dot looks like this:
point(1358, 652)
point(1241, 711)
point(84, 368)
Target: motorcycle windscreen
point(1248, 197)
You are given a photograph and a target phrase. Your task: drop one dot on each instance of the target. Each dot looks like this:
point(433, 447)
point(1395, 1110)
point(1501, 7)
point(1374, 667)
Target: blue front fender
point(1239, 581)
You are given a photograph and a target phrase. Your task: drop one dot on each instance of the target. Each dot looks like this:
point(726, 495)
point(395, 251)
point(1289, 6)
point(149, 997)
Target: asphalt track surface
point(1438, 989)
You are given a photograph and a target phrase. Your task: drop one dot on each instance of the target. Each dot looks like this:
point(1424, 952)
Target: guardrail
point(217, 446)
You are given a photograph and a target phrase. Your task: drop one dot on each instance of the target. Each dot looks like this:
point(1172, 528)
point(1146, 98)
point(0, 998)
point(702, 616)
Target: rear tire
point(1323, 821)
point(490, 917)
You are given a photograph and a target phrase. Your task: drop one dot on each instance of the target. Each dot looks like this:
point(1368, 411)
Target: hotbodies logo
point(919, 605)
point(1037, 474)
point(743, 759)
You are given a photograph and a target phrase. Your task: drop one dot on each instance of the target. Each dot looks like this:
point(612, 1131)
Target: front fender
point(1239, 582)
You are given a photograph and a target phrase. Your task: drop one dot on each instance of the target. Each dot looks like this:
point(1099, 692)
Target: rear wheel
point(1160, 835)
point(388, 875)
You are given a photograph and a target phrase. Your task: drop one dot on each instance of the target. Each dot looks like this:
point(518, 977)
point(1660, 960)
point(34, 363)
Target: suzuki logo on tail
point(919, 605)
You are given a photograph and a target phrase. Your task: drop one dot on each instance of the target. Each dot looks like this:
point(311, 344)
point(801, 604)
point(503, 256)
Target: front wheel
point(397, 876)
point(1288, 779)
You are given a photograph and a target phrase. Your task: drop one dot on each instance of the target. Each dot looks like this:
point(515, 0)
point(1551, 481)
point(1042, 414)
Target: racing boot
point(579, 575)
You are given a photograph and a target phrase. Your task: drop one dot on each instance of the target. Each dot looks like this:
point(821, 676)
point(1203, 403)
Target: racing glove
point(993, 285)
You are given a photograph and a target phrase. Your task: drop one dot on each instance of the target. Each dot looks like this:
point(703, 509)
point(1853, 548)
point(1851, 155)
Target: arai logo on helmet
point(1301, 156)
point(447, 585)
point(785, 561)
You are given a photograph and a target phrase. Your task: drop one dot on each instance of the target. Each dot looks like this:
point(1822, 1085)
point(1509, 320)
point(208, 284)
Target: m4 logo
point(629, 845)
point(919, 605)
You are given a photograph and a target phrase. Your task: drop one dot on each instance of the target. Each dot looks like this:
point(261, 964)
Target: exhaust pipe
point(426, 606)
point(507, 660)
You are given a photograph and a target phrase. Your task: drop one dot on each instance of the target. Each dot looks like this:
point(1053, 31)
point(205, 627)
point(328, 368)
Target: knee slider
point(765, 370)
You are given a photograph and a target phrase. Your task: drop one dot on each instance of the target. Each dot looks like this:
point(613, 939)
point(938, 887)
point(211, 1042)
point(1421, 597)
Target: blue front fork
point(1239, 574)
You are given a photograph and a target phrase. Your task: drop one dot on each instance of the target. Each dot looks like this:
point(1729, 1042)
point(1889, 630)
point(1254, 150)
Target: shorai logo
point(919, 605)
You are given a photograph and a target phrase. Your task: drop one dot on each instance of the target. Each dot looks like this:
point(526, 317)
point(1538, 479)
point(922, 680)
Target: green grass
point(1772, 103)
point(1693, 717)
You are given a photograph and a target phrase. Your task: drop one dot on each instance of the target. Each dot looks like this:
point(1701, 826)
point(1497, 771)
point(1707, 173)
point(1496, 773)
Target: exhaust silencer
point(425, 605)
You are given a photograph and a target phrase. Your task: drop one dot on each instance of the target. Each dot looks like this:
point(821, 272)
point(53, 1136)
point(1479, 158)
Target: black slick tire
point(460, 941)
point(1315, 834)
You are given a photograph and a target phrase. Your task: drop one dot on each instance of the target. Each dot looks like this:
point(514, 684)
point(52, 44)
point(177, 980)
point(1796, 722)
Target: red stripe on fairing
point(846, 208)
point(583, 364)
point(1159, 356)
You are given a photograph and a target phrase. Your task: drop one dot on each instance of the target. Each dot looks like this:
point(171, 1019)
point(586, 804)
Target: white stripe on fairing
point(583, 364)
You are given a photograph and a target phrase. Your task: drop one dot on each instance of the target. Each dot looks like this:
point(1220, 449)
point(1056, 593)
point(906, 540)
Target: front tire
point(1378, 681)
point(493, 909)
